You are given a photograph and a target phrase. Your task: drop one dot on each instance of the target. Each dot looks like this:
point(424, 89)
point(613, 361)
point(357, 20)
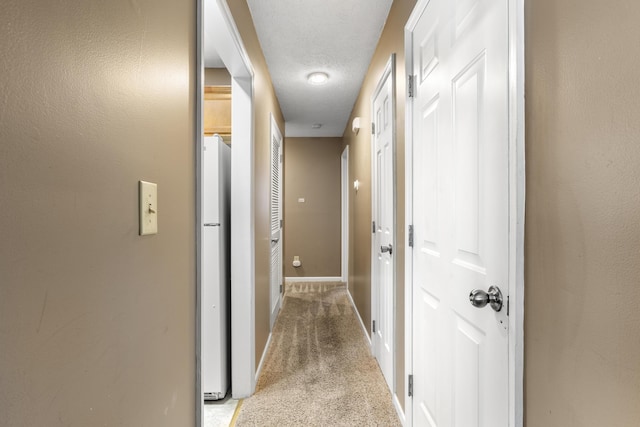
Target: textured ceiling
point(299, 37)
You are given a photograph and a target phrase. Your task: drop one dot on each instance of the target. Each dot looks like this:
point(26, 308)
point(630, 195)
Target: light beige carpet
point(318, 370)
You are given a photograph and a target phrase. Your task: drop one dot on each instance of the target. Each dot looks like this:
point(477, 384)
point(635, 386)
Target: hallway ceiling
point(299, 37)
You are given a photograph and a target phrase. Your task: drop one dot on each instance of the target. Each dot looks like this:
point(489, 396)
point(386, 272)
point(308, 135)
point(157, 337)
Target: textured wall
point(582, 323)
point(391, 41)
point(265, 104)
point(97, 324)
point(312, 229)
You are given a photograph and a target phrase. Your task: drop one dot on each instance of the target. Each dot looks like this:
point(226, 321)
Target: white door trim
point(221, 27)
point(517, 193)
point(388, 72)
point(344, 185)
point(516, 209)
point(243, 352)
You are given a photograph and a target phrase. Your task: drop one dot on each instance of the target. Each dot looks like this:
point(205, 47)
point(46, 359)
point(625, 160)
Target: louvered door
point(276, 221)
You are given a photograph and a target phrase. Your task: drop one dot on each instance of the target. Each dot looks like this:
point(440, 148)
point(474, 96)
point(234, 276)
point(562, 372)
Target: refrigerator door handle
point(211, 224)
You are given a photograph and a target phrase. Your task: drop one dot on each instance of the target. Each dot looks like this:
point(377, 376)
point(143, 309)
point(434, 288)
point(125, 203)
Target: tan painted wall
point(217, 77)
point(312, 229)
point(97, 324)
point(582, 322)
point(265, 103)
point(391, 41)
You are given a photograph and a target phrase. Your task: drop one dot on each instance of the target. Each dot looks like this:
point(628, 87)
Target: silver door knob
point(389, 249)
point(480, 298)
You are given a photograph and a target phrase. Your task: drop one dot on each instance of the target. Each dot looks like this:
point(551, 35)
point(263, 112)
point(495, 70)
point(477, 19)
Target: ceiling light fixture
point(316, 125)
point(318, 78)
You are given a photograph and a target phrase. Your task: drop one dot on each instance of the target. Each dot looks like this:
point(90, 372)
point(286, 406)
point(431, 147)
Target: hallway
point(318, 369)
point(98, 322)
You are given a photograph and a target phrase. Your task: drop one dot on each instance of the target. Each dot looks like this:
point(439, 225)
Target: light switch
point(301, 200)
point(148, 208)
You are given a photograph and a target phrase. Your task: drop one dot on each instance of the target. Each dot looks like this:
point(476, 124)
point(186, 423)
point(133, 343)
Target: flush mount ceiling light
point(318, 78)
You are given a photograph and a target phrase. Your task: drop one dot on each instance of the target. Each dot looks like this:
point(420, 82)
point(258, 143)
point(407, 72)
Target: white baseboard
point(364, 328)
point(399, 411)
point(264, 354)
point(312, 279)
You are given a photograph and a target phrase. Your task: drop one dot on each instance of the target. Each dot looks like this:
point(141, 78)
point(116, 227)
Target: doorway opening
point(217, 33)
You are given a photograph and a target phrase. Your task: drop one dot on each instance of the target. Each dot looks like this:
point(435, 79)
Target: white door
point(460, 200)
point(276, 221)
point(344, 206)
point(383, 241)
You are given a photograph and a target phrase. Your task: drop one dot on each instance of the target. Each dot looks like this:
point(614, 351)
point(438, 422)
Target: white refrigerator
point(215, 262)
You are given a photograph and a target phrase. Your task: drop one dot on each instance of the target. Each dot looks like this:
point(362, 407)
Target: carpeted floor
point(318, 370)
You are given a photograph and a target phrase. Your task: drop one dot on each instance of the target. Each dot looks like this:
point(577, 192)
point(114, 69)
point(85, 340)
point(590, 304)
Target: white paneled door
point(276, 221)
point(460, 214)
point(383, 294)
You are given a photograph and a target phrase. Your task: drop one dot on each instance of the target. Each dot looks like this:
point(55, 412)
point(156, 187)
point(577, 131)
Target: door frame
point(388, 72)
point(516, 209)
point(221, 27)
point(344, 207)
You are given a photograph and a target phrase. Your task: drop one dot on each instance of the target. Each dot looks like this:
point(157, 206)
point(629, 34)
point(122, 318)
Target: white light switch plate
point(148, 208)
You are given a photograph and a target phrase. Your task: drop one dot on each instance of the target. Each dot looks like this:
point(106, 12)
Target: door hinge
point(281, 223)
point(410, 85)
point(373, 227)
point(373, 128)
point(374, 326)
point(508, 305)
point(280, 287)
point(411, 236)
point(281, 158)
point(410, 385)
